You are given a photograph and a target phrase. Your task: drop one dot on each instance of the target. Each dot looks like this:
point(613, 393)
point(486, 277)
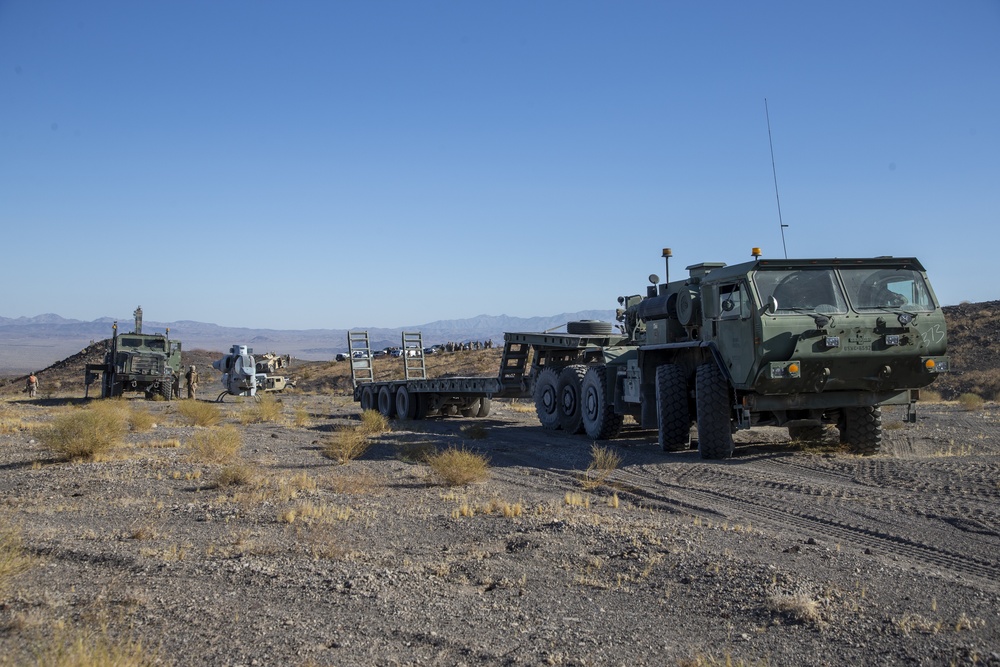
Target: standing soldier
point(176, 382)
point(192, 381)
point(32, 386)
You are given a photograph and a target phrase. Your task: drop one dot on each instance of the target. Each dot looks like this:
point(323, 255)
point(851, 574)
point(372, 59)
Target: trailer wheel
point(485, 403)
point(568, 390)
point(367, 399)
point(862, 429)
point(386, 404)
point(600, 420)
point(715, 432)
point(673, 415)
point(547, 399)
point(406, 403)
point(423, 406)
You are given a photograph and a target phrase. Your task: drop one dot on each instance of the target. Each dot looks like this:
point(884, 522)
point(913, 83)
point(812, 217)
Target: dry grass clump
point(930, 396)
point(13, 560)
point(458, 467)
point(264, 410)
point(86, 433)
point(971, 402)
point(603, 461)
point(216, 445)
point(800, 607)
point(199, 413)
point(237, 474)
point(373, 422)
point(92, 648)
point(516, 405)
point(301, 417)
point(346, 444)
point(11, 420)
point(475, 432)
point(140, 420)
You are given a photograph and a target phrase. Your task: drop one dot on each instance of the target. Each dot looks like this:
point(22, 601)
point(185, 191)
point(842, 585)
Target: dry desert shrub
point(373, 423)
point(199, 413)
point(930, 396)
point(140, 420)
point(800, 608)
point(458, 467)
point(13, 560)
point(516, 405)
point(603, 461)
point(475, 432)
point(87, 433)
point(237, 474)
point(264, 410)
point(971, 402)
point(216, 445)
point(346, 444)
point(301, 417)
point(92, 648)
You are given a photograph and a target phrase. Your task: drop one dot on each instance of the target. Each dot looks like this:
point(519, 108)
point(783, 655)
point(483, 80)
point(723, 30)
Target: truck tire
point(386, 403)
point(568, 390)
point(406, 403)
point(862, 429)
point(715, 432)
point(367, 399)
point(166, 390)
point(485, 403)
point(589, 328)
point(600, 420)
point(672, 412)
point(547, 399)
point(423, 406)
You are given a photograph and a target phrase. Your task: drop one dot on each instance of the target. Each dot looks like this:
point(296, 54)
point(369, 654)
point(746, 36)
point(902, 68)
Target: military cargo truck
point(137, 362)
point(800, 344)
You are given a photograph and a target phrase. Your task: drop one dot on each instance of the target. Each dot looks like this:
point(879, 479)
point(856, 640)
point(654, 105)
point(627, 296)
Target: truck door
point(735, 330)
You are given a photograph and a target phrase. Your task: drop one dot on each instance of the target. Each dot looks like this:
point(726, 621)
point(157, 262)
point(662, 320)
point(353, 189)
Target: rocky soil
point(780, 556)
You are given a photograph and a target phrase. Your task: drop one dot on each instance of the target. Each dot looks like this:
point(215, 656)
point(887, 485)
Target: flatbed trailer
point(417, 397)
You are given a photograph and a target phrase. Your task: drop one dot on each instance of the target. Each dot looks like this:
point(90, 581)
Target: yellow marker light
point(755, 252)
point(929, 364)
point(793, 368)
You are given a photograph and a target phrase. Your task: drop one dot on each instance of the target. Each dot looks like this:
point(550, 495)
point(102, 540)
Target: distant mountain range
point(30, 343)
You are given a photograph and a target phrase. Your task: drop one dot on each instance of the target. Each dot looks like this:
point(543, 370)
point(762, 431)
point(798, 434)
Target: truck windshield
point(801, 290)
point(887, 289)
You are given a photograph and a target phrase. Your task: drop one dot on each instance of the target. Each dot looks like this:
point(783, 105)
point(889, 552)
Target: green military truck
point(137, 362)
point(793, 343)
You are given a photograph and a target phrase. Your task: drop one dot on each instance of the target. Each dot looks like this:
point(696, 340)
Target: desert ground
point(158, 552)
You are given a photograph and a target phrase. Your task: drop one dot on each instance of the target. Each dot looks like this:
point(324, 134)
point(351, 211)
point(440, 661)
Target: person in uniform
point(192, 381)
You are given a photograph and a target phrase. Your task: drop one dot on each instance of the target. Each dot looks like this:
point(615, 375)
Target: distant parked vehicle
point(341, 357)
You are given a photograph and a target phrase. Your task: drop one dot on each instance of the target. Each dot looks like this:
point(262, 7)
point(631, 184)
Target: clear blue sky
point(359, 164)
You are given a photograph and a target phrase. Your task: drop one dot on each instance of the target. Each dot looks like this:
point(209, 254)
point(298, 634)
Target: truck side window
point(733, 301)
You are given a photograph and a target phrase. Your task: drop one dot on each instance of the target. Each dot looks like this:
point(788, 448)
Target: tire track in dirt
point(816, 510)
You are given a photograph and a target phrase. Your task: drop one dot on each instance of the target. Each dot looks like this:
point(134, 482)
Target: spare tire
point(589, 327)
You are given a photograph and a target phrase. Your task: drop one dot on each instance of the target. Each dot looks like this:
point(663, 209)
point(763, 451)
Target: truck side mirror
point(771, 307)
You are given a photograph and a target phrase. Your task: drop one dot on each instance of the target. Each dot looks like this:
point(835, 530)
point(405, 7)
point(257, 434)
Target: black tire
point(672, 411)
point(423, 406)
point(406, 403)
point(600, 420)
point(166, 391)
point(386, 403)
point(811, 434)
point(589, 328)
point(367, 399)
point(547, 398)
point(485, 404)
point(568, 391)
point(715, 423)
point(862, 429)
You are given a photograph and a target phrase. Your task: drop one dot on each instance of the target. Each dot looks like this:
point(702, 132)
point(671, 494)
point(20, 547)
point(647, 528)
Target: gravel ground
point(778, 556)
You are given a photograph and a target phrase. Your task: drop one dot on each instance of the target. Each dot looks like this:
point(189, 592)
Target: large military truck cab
point(137, 362)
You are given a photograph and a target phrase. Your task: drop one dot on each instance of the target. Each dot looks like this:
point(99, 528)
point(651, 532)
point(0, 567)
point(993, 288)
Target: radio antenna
point(775, 173)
